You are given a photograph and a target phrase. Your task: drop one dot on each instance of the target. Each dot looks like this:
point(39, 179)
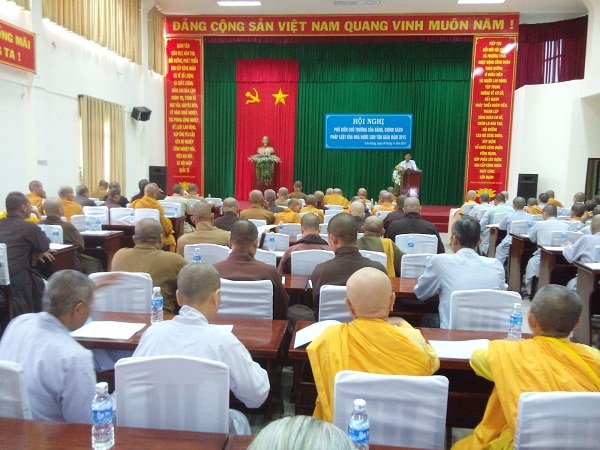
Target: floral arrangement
point(264, 167)
point(398, 178)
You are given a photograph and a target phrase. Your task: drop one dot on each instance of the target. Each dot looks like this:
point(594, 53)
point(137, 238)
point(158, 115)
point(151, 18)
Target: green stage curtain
point(429, 80)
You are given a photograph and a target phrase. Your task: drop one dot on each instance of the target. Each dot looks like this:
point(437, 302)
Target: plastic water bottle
point(516, 322)
point(4, 278)
point(358, 425)
point(411, 244)
point(97, 225)
point(157, 305)
point(596, 253)
point(281, 226)
point(271, 242)
point(132, 216)
point(103, 432)
point(563, 238)
point(197, 255)
point(55, 236)
point(88, 224)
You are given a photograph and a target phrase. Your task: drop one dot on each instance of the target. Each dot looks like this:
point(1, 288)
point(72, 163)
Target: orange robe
point(336, 199)
point(534, 209)
point(366, 345)
point(36, 201)
point(287, 216)
point(71, 208)
point(540, 364)
point(311, 209)
point(167, 226)
point(553, 201)
point(385, 206)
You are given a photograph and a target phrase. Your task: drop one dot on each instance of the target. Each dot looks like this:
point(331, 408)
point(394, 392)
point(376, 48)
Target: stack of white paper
point(108, 330)
point(458, 349)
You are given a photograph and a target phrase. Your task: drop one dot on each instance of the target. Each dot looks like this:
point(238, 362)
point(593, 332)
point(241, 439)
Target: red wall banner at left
point(17, 47)
point(184, 112)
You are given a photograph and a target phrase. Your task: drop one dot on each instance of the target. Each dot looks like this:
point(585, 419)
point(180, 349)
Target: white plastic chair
point(217, 202)
point(563, 212)
point(413, 265)
point(520, 226)
point(120, 216)
point(382, 214)
point(258, 222)
point(246, 299)
point(171, 209)
point(481, 309)
point(380, 257)
point(328, 217)
point(211, 253)
point(282, 241)
point(145, 213)
point(266, 256)
point(336, 208)
point(323, 228)
point(14, 398)
point(193, 202)
point(291, 229)
point(557, 421)
point(424, 243)
point(173, 393)
point(49, 231)
point(97, 212)
point(574, 236)
point(78, 221)
point(466, 208)
point(332, 304)
point(131, 293)
point(304, 261)
point(404, 411)
point(556, 237)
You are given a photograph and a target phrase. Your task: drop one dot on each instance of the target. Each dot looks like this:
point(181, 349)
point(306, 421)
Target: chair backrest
point(413, 265)
point(573, 225)
point(404, 411)
point(382, 214)
point(99, 202)
point(145, 213)
point(304, 261)
point(173, 392)
point(537, 217)
point(14, 398)
point(217, 202)
point(328, 217)
point(78, 221)
point(498, 216)
point(332, 304)
point(336, 208)
point(481, 309)
point(211, 253)
point(563, 212)
point(282, 241)
point(424, 243)
point(49, 231)
point(171, 209)
point(120, 216)
point(100, 212)
point(466, 208)
point(291, 229)
point(323, 227)
point(266, 256)
point(246, 299)
point(520, 226)
point(557, 421)
point(131, 293)
point(193, 202)
point(556, 237)
point(380, 257)
point(258, 222)
point(574, 236)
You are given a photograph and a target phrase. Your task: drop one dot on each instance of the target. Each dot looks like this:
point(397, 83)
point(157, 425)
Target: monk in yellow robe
point(370, 343)
point(151, 191)
point(311, 207)
point(66, 194)
point(336, 198)
point(291, 214)
point(36, 196)
point(548, 362)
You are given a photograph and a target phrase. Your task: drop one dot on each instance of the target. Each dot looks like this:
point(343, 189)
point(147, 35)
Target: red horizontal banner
point(379, 25)
point(17, 47)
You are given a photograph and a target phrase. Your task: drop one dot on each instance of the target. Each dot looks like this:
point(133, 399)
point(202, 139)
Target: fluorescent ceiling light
point(480, 1)
point(240, 3)
point(356, 2)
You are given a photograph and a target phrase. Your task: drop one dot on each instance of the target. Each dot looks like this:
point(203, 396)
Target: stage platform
point(438, 215)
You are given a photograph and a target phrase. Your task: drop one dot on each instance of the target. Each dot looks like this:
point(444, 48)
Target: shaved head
point(556, 309)
point(309, 224)
point(357, 208)
point(369, 293)
point(256, 197)
point(148, 231)
point(374, 224)
point(471, 195)
point(151, 190)
point(54, 207)
point(412, 204)
point(202, 212)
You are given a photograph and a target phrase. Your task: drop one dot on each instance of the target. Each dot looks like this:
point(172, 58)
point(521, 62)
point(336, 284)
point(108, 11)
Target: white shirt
point(59, 372)
point(409, 165)
point(445, 273)
point(583, 250)
point(541, 232)
point(190, 334)
point(495, 214)
point(479, 210)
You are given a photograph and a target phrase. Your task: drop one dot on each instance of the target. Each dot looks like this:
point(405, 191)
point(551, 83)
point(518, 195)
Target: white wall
point(39, 113)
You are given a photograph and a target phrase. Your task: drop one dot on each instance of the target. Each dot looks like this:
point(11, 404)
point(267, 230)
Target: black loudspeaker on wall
point(527, 187)
point(141, 113)
point(158, 175)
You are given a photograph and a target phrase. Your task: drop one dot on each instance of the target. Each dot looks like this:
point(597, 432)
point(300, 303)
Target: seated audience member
point(189, 334)
point(25, 242)
point(369, 343)
point(471, 197)
point(230, 209)
point(392, 191)
point(548, 362)
point(193, 193)
point(66, 194)
point(533, 207)
point(357, 210)
point(589, 206)
point(311, 207)
point(148, 257)
point(519, 213)
point(362, 193)
point(386, 203)
point(58, 371)
point(291, 214)
point(577, 213)
point(141, 184)
point(122, 200)
point(551, 200)
point(241, 265)
point(464, 269)
point(297, 191)
point(178, 197)
point(328, 193)
point(151, 192)
point(584, 249)
point(270, 197)
point(83, 196)
point(319, 195)
point(36, 195)
point(493, 216)
point(542, 199)
point(373, 241)
point(579, 197)
point(413, 223)
point(301, 433)
point(256, 210)
point(206, 232)
point(398, 212)
point(309, 227)
point(342, 236)
point(480, 208)
point(541, 234)
point(336, 198)
point(54, 211)
point(112, 200)
point(100, 191)
point(282, 197)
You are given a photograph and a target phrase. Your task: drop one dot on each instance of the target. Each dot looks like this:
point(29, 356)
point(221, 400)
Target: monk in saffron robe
point(66, 194)
point(370, 343)
point(548, 362)
point(151, 191)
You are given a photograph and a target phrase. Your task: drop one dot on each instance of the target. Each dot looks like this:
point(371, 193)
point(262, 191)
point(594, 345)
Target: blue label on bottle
point(157, 302)
point(516, 319)
point(102, 415)
point(358, 436)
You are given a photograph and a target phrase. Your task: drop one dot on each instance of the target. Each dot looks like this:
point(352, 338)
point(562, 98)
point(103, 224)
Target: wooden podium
point(411, 183)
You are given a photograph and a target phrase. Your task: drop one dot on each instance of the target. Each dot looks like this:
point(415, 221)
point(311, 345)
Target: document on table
point(54, 246)
point(458, 349)
point(306, 335)
point(100, 329)
point(95, 233)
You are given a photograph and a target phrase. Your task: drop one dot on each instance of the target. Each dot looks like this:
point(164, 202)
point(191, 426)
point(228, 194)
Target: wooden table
point(64, 258)
point(103, 246)
point(128, 232)
point(496, 236)
point(178, 223)
point(237, 442)
point(521, 250)
point(30, 434)
point(588, 279)
point(554, 268)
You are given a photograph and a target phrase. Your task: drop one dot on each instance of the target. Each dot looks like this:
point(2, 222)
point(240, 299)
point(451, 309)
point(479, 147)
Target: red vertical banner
point(267, 92)
point(184, 112)
point(492, 89)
